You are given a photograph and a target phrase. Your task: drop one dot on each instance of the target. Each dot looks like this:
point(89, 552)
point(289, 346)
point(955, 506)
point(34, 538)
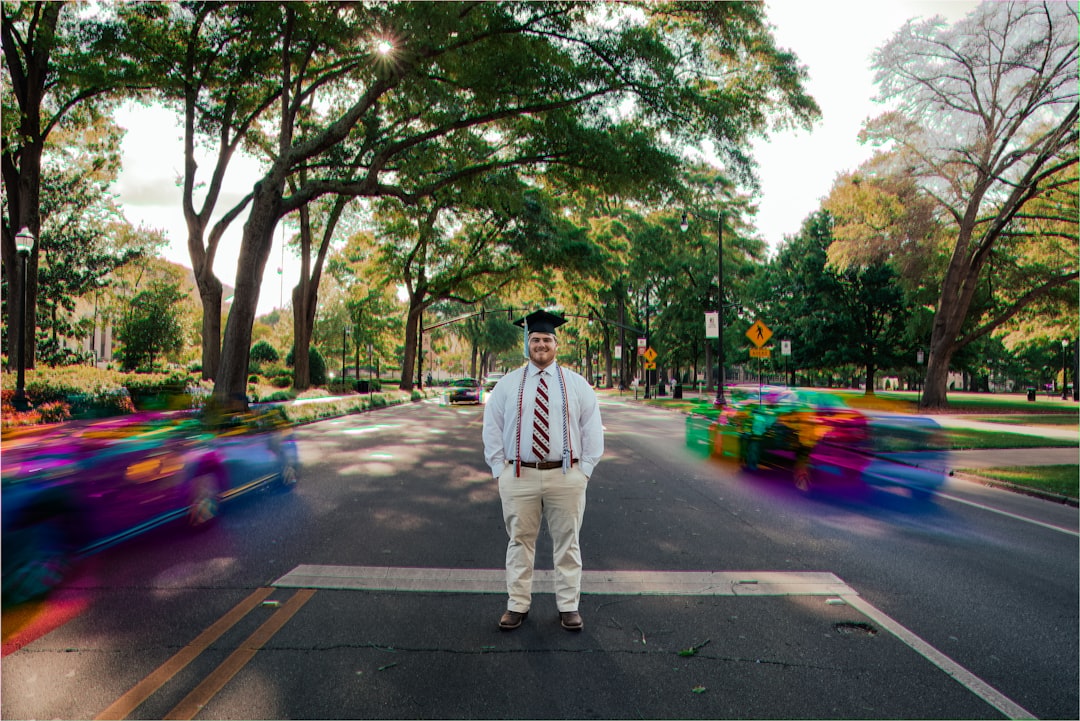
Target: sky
point(834, 39)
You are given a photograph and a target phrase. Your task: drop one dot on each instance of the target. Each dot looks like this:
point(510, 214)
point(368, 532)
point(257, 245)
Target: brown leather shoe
point(512, 619)
point(571, 620)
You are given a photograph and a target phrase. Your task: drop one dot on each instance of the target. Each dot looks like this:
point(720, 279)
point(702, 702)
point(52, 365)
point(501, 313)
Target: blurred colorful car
point(71, 489)
point(464, 390)
point(816, 436)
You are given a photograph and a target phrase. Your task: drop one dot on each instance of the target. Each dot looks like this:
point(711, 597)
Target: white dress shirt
point(501, 414)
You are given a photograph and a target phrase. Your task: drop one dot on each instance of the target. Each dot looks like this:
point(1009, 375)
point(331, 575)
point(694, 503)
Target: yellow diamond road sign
point(650, 355)
point(759, 333)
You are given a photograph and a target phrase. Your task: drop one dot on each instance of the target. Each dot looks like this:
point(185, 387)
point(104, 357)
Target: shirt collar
point(535, 369)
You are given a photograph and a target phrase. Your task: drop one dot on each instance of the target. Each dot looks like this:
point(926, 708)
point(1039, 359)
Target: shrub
point(317, 362)
point(278, 397)
point(102, 403)
point(282, 380)
point(253, 378)
point(55, 412)
point(161, 392)
point(263, 352)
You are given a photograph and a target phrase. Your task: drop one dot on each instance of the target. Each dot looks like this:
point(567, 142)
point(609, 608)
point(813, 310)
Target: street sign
point(650, 366)
point(759, 333)
point(785, 347)
point(760, 352)
point(650, 354)
point(641, 343)
point(618, 352)
point(712, 325)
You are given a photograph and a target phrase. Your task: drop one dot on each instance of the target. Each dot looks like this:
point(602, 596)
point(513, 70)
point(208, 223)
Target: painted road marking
point(487, 580)
point(966, 679)
point(194, 702)
point(149, 685)
point(1010, 515)
point(675, 583)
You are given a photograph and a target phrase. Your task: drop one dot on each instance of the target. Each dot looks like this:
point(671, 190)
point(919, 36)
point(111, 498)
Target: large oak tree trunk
point(210, 294)
point(303, 327)
point(408, 361)
point(230, 387)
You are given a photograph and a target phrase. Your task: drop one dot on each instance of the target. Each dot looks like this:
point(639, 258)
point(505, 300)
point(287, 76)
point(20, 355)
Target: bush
point(317, 362)
point(253, 378)
point(55, 412)
point(102, 404)
point(278, 397)
point(282, 380)
point(157, 392)
point(90, 392)
point(263, 352)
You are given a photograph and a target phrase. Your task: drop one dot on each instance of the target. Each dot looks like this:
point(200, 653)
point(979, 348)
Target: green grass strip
point(1060, 480)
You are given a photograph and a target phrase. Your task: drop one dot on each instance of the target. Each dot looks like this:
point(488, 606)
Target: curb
point(1023, 490)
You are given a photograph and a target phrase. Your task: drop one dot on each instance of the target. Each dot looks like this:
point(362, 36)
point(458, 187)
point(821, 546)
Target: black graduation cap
point(540, 322)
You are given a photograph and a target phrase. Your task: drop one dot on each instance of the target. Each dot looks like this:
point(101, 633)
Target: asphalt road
point(373, 591)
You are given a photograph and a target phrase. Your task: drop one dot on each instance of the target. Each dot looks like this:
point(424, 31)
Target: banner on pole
point(712, 325)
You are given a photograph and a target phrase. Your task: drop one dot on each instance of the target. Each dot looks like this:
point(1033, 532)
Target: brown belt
point(545, 465)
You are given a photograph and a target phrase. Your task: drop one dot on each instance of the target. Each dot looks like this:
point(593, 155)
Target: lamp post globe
point(24, 243)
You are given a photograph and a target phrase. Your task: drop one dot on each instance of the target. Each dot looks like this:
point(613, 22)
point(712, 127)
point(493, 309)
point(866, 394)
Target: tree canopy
point(985, 123)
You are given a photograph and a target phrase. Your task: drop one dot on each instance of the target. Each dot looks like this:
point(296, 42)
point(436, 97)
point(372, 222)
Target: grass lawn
point(960, 402)
point(1037, 419)
point(1062, 480)
point(968, 439)
point(907, 401)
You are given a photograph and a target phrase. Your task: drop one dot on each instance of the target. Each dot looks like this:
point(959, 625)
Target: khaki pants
point(561, 500)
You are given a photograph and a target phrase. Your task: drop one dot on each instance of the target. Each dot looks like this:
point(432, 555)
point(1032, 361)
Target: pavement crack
point(494, 650)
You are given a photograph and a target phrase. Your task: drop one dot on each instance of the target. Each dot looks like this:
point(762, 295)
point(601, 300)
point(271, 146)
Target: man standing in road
point(542, 438)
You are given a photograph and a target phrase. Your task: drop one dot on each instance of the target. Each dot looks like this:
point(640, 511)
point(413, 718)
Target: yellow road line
point(145, 688)
point(198, 698)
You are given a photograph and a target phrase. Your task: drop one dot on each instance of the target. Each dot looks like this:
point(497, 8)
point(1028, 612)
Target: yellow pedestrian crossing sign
point(759, 333)
point(650, 354)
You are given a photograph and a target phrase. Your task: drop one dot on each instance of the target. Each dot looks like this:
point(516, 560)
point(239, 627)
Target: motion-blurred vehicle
point(71, 489)
point(818, 437)
point(491, 379)
point(464, 390)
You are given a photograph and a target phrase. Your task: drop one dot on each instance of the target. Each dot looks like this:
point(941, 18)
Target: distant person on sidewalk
point(542, 438)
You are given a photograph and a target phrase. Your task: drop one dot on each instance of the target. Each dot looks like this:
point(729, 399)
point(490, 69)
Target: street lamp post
point(719, 401)
point(344, 336)
point(1065, 369)
point(24, 243)
point(644, 368)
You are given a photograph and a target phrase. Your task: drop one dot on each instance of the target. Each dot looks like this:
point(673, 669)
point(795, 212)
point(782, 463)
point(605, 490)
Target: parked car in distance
point(491, 379)
point(71, 489)
point(464, 390)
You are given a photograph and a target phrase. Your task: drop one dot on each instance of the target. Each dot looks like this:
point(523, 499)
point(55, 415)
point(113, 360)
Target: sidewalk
point(959, 421)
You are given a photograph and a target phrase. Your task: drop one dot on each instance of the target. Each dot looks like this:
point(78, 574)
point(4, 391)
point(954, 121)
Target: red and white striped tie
point(541, 441)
